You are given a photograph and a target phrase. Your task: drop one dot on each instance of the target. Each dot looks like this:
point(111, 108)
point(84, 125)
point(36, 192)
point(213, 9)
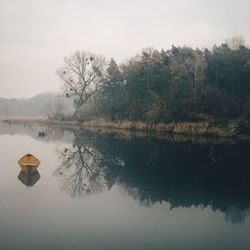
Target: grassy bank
point(202, 132)
point(31, 121)
point(189, 128)
point(201, 128)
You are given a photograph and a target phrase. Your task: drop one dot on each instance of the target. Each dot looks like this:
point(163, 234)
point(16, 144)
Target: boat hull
point(28, 169)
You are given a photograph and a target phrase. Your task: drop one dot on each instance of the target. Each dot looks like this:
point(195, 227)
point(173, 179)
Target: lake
point(122, 191)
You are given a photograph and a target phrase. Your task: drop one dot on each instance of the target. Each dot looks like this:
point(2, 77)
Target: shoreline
point(127, 128)
point(201, 128)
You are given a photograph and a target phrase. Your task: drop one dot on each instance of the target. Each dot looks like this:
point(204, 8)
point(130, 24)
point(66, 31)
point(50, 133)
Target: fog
point(36, 35)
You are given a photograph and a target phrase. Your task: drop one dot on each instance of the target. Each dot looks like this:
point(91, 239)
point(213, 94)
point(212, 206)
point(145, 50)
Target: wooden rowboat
point(28, 163)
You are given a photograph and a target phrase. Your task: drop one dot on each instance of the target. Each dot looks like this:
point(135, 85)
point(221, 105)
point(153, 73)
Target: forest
point(179, 84)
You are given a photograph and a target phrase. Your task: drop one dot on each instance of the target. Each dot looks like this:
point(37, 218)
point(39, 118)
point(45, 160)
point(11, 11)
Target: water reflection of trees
point(84, 170)
point(79, 171)
point(236, 215)
point(152, 170)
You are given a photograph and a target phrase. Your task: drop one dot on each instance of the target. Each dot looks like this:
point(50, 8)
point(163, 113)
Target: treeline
point(42, 105)
point(177, 84)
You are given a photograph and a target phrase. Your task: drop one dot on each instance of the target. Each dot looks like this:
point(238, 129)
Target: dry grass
point(188, 128)
point(30, 121)
point(191, 128)
point(126, 134)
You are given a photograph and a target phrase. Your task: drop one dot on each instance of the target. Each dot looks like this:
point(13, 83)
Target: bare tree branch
point(82, 75)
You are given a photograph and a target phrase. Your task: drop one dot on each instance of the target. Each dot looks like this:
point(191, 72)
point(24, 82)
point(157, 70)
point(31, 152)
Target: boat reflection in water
point(29, 174)
point(29, 179)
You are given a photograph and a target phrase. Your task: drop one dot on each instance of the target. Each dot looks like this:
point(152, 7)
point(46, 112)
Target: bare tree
point(198, 67)
point(189, 66)
point(236, 42)
point(82, 74)
point(80, 174)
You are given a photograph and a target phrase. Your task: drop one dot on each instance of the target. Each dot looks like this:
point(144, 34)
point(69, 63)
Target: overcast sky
point(35, 35)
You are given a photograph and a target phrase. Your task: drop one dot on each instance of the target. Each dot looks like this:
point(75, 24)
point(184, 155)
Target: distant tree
point(82, 74)
point(112, 89)
point(56, 109)
point(235, 42)
point(229, 71)
point(187, 66)
point(146, 77)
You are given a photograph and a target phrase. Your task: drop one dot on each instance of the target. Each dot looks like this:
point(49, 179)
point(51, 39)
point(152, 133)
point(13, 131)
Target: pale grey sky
point(35, 35)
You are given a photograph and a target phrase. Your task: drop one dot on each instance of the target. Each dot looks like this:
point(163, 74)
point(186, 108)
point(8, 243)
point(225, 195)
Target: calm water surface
point(104, 191)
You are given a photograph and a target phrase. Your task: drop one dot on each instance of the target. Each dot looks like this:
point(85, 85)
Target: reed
point(188, 128)
point(191, 128)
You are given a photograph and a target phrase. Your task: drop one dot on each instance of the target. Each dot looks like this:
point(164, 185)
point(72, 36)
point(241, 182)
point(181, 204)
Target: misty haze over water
point(124, 125)
point(40, 106)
